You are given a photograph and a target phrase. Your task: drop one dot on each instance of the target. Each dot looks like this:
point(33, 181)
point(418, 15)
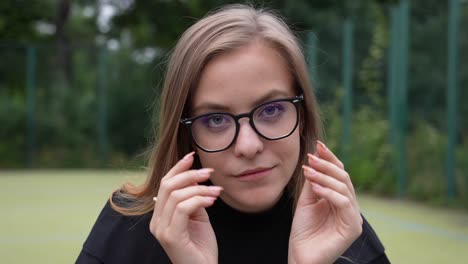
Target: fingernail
point(309, 170)
point(313, 158)
point(215, 189)
point(205, 172)
point(323, 145)
point(210, 198)
point(188, 156)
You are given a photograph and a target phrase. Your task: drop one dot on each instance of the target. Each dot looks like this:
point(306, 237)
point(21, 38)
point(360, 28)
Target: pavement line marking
point(412, 226)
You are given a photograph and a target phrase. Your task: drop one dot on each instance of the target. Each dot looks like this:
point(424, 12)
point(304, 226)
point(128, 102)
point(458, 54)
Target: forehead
point(238, 80)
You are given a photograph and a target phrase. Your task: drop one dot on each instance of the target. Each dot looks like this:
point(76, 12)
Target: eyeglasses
point(272, 120)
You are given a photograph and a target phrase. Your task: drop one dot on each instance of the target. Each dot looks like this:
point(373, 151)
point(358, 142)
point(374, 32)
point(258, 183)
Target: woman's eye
point(216, 121)
point(271, 111)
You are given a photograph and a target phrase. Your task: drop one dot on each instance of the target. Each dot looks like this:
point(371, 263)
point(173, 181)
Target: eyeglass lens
point(272, 120)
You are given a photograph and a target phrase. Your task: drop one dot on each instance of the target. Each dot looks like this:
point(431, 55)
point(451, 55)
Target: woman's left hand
point(327, 218)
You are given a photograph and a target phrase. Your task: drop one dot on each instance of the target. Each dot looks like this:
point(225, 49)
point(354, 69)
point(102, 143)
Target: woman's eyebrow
point(271, 95)
point(208, 107)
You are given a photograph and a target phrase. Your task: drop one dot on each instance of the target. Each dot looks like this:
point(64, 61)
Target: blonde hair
point(223, 30)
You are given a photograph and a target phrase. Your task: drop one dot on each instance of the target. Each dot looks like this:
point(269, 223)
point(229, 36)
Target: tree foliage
point(76, 40)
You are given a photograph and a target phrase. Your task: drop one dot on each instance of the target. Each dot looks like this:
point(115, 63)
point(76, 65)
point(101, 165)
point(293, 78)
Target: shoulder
point(366, 249)
point(116, 238)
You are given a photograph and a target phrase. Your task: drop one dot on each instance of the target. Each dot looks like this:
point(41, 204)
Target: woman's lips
point(255, 174)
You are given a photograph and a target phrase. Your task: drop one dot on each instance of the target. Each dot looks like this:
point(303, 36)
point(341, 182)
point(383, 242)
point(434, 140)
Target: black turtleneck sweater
point(242, 238)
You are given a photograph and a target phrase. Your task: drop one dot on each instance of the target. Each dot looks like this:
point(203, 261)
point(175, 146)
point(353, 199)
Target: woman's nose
point(248, 142)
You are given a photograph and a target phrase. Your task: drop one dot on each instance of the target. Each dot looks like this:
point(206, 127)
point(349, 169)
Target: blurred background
point(79, 85)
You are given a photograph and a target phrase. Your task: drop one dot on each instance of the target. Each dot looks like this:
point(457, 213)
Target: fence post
point(403, 33)
point(312, 41)
point(392, 88)
point(452, 87)
point(30, 104)
point(348, 86)
point(102, 106)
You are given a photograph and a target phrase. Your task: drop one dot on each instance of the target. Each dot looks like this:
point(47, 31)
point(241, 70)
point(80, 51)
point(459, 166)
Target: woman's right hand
point(180, 222)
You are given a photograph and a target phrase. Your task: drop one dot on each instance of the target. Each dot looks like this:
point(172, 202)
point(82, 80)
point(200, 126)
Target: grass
point(47, 215)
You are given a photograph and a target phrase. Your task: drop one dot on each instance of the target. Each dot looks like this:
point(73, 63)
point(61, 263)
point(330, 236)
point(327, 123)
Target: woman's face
point(253, 171)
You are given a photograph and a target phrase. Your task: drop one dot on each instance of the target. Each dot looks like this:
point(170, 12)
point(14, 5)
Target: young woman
point(238, 174)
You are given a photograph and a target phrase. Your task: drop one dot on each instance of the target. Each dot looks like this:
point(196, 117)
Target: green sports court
point(46, 215)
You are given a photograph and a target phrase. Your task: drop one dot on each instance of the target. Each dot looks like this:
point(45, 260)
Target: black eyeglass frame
point(296, 101)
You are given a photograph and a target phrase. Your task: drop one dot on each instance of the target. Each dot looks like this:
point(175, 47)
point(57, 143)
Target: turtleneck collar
point(223, 214)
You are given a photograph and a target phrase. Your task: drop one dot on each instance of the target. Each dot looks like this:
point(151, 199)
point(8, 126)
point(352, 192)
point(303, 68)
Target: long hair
point(221, 31)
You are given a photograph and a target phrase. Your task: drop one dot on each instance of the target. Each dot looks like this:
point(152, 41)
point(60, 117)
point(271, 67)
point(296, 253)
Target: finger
point(307, 196)
point(182, 165)
point(181, 195)
point(344, 205)
point(331, 183)
point(328, 155)
point(332, 170)
point(326, 181)
point(185, 209)
point(179, 181)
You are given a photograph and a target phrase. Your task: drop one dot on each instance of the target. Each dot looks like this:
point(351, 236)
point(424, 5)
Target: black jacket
point(242, 238)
